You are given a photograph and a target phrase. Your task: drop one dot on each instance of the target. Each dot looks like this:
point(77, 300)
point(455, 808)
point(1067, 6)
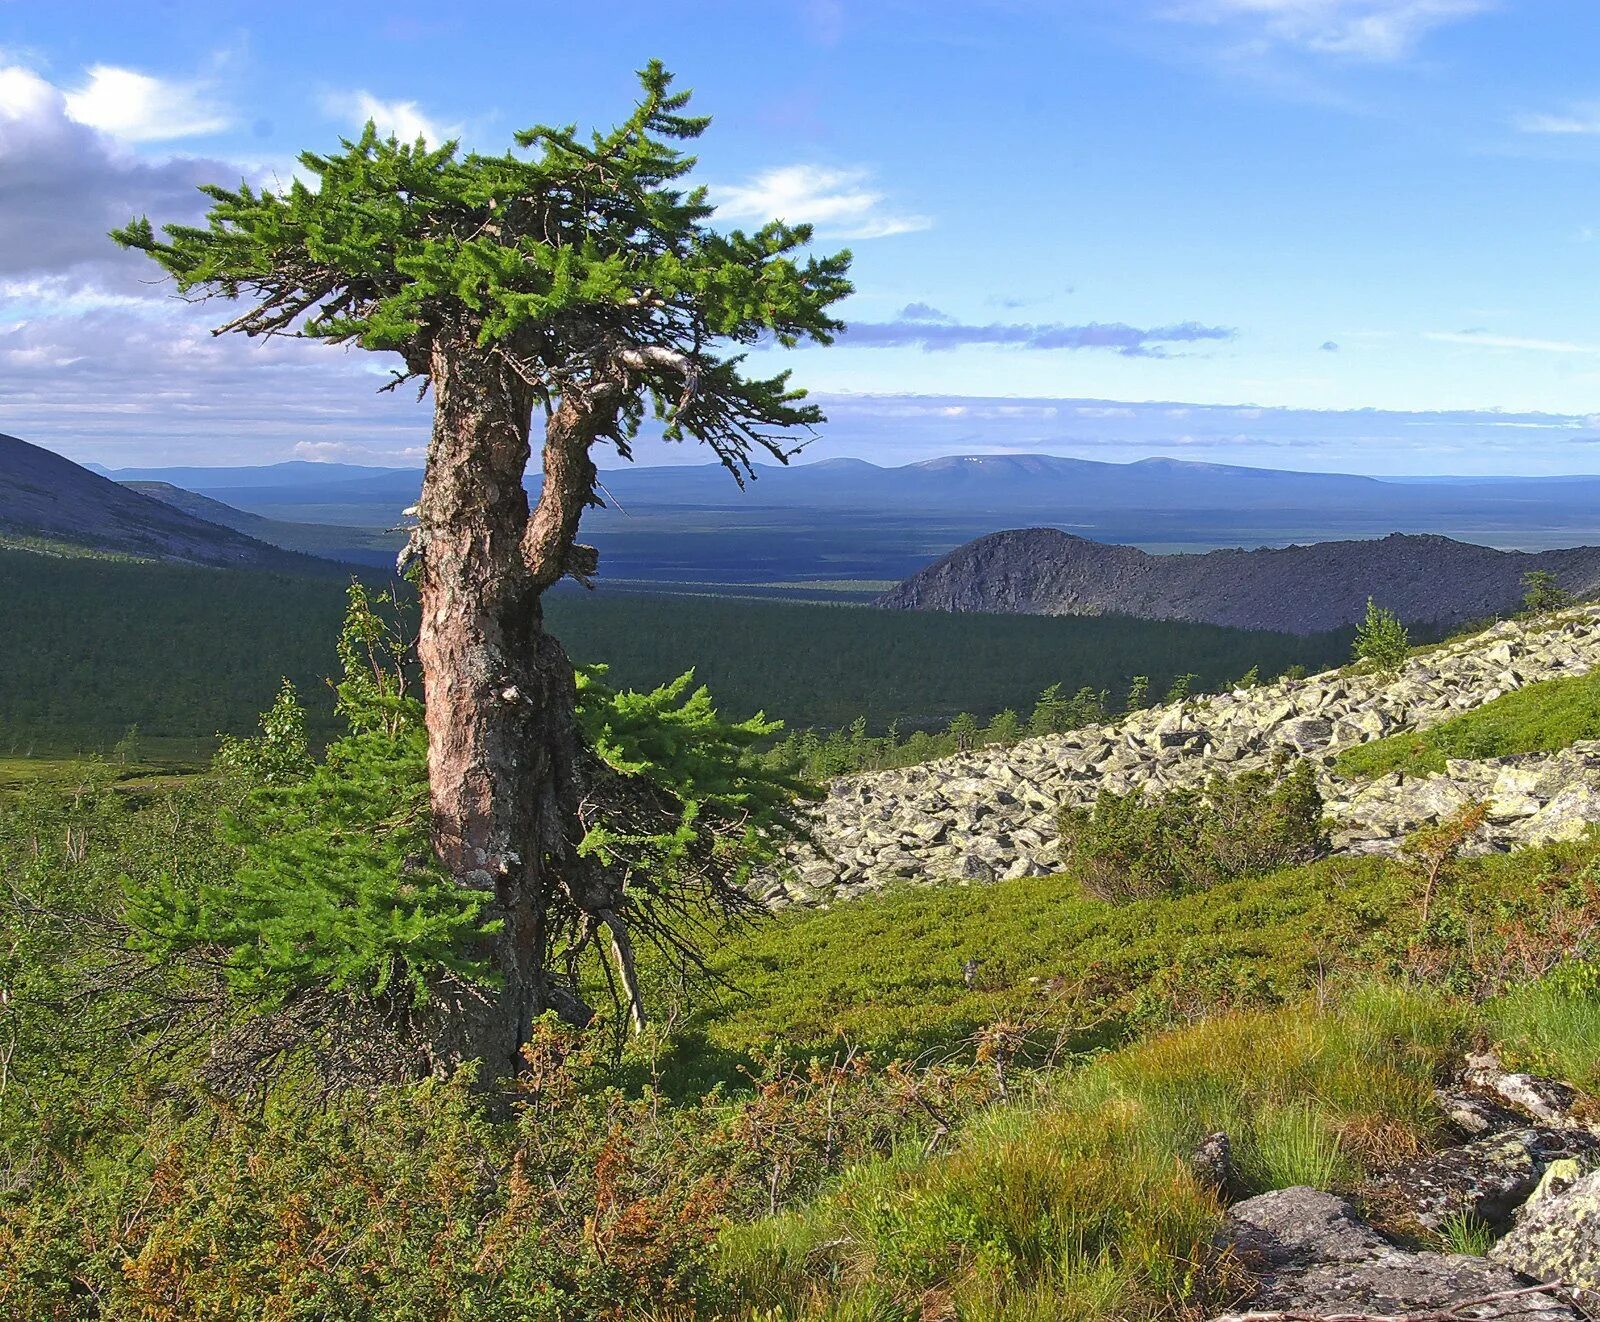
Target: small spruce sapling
point(1049, 713)
point(964, 730)
point(1543, 593)
point(1181, 688)
point(1381, 640)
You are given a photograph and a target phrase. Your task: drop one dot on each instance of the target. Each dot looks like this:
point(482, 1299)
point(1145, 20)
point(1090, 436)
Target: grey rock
point(1488, 1178)
point(1558, 1239)
point(1474, 1115)
point(1212, 1163)
point(974, 867)
point(1546, 1100)
point(1310, 1253)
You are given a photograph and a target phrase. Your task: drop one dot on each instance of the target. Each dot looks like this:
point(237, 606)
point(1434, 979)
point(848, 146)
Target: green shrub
point(1132, 846)
point(1381, 640)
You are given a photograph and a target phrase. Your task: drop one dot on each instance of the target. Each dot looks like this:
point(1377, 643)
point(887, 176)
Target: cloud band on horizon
point(930, 335)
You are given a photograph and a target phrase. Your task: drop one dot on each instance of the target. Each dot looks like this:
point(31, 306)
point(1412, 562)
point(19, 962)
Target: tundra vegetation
point(257, 1036)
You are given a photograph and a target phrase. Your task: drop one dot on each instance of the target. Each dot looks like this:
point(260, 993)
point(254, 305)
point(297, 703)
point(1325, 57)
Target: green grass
point(1540, 718)
point(884, 973)
point(142, 774)
point(1553, 1027)
point(1082, 1204)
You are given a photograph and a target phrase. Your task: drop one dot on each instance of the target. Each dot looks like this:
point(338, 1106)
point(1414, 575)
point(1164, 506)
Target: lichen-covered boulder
point(1310, 1254)
point(1557, 1238)
point(1488, 1178)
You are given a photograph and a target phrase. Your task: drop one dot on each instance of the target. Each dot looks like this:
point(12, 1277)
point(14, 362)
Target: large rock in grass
point(1487, 1179)
point(1557, 1238)
point(1312, 1256)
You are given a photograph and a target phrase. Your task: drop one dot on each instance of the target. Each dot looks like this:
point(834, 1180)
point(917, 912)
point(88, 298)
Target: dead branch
point(1452, 1314)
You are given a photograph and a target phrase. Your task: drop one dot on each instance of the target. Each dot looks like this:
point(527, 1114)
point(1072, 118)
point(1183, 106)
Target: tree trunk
point(499, 693)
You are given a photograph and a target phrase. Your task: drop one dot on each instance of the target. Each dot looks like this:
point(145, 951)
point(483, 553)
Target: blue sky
point(1335, 234)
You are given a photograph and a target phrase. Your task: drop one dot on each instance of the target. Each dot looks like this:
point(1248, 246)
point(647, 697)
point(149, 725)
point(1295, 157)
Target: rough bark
point(503, 746)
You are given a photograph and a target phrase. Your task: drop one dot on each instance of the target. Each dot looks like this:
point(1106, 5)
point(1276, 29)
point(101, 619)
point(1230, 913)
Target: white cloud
point(840, 203)
point(1377, 30)
point(96, 354)
point(1485, 340)
point(140, 108)
point(63, 184)
point(1580, 119)
point(328, 452)
point(405, 120)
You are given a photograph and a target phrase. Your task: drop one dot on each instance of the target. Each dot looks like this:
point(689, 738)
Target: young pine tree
point(964, 731)
point(580, 283)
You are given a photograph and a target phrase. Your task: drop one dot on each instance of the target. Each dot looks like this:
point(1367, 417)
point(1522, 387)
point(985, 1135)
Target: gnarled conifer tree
point(578, 283)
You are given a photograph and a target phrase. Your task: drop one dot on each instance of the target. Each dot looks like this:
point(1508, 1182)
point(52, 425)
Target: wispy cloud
point(329, 452)
point(405, 120)
point(1372, 30)
point(841, 203)
point(929, 334)
point(139, 107)
point(1485, 340)
point(1580, 119)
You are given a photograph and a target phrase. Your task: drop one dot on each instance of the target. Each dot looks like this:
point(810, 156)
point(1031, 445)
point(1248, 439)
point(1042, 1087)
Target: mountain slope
point(1295, 589)
point(330, 541)
point(47, 499)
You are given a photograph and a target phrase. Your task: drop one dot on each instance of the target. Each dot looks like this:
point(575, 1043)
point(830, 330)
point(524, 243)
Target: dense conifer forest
point(89, 651)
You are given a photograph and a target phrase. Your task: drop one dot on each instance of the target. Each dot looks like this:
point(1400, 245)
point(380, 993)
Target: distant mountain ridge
point(1036, 485)
point(1295, 589)
point(328, 541)
point(49, 500)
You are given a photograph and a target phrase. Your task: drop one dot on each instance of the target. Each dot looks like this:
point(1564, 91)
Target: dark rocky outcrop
point(1295, 589)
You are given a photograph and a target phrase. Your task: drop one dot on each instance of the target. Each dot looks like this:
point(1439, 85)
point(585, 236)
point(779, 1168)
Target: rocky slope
point(992, 813)
point(45, 498)
point(1295, 589)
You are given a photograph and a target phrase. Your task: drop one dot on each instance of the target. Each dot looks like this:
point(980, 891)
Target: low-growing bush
point(1131, 846)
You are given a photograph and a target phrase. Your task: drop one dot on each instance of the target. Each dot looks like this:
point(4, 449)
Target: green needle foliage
point(1381, 640)
point(730, 805)
point(336, 888)
point(574, 261)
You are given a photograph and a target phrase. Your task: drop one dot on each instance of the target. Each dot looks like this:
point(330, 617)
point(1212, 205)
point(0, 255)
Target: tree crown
point(582, 262)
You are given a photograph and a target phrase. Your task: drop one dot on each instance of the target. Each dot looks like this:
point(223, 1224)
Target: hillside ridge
point(1423, 577)
point(49, 500)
